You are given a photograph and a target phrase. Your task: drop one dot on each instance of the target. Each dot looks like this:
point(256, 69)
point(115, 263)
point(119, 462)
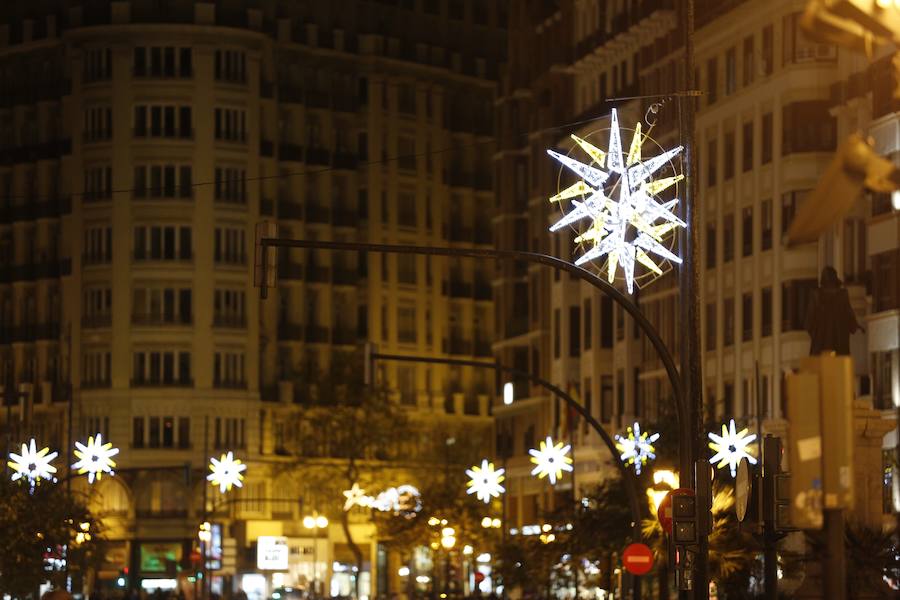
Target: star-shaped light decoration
point(356, 496)
point(226, 472)
point(637, 447)
point(484, 481)
point(95, 458)
point(731, 447)
point(551, 460)
point(32, 464)
point(634, 224)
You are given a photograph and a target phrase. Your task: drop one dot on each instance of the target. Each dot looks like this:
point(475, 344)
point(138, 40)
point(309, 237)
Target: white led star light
point(32, 464)
point(95, 458)
point(551, 460)
point(625, 229)
point(731, 447)
point(637, 447)
point(484, 481)
point(226, 472)
point(356, 496)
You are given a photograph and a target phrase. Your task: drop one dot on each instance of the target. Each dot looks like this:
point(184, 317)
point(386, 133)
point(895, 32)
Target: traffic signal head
point(684, 519)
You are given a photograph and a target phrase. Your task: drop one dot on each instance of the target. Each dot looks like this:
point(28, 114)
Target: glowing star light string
point(630, 227)
point(731, 447)
point(551, 460)
point(32, 464)
point(226, 472)
point(95, 458)
point(637, 447)
point(484, 481)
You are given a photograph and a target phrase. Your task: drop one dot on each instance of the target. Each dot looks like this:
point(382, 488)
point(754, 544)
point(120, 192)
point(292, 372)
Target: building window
point(230, 185)
point(97, 65)
point(730, 71)
point(159, 368)
point(231, 124)
point(795, 295)
point(97, 368)
point(163, 181)
point(588, 334)
point(406, 153)
point(728, 322)
point(883, 384)
point(97, 245)
point(168, 121)
point(768, 50)
point(406, 269)
point(97, 123)
point(161, 305)
point(229, 246)
point(747, 156)
point(228, 369)
point(712, 83)
point(727, 238)
point(406, 209)
point(854, 254)
point(789, 203)
point(728, 170)
point(768, 139)
point(808, 127)
point(229, 308)
point(556, 328)
point(711, 326)
point(606, 322)
point(162, 242)
point(574, 331)
point(766, 302)
point(747, 317)
point(748, 61)
point(798, 48)
point(137, 432)
point(162, 61)
point(711, 246)
point(747, 231)
point(885, 283)
point(406, 324)
point(711, 163)
point(228, 433)
point(765, 209)
point(606, 398)
point(97, 183)
point(230, 66)
point(97, 308)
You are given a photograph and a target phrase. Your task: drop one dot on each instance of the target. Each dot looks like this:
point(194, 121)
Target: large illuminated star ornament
point(484, 481)
point(226, 472)
point(95, 458)
point(637, 447)
point(731, 447)
point(551, 460)
point(632, 225)
point(32, 464)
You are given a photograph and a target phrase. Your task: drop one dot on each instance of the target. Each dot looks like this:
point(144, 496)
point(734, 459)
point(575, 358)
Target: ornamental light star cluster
point(636, 447)
point(226, 472)
point(617, 194)
point(731, 447)
point(95, 458)
point(484, 481)
point(551, 460)
point(32, 465)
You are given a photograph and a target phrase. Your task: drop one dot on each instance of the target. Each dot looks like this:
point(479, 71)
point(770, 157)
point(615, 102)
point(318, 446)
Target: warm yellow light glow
point(485, 481)
point(467, 550)
point(309, 522)
point(551, 460)
point(448, 542)
point(321, 522)
point(496, 523)
point(486, 522)
point(434, 521)
point(226, 472)
point(546, 527)
point(448, 531)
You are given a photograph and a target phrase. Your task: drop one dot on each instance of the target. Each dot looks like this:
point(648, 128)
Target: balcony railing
point(96, 321)
point(455, 345)
point(233, 321)
point(161, 319)
point(140, 382)
point(291, 332)
point(228, 384)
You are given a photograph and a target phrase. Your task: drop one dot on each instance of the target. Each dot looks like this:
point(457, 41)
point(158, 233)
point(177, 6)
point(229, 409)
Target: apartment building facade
point(142, 141)
point(767, 126)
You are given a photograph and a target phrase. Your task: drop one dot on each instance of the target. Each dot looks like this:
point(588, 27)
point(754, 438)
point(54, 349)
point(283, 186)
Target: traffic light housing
point(684, 520)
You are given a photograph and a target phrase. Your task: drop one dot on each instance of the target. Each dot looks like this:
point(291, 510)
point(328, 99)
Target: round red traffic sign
point(637, 559)
point(664, 513)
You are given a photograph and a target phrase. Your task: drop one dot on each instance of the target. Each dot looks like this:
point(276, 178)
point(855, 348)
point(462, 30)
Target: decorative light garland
point(95, 458)
point(32, 464)
point(226, 472)
point(636, 447)
point(626, 229)
point(484, 481)
point(731, 447)
point(551, 460)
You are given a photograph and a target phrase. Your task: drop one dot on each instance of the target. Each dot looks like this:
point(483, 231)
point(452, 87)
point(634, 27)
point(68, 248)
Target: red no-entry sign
point(637, 559)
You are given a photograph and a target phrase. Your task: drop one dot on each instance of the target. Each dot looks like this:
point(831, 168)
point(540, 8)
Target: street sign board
point(664, 514)
point(637, 559)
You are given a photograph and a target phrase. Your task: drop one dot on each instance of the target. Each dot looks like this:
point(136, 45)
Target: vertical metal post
point(203, 545)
